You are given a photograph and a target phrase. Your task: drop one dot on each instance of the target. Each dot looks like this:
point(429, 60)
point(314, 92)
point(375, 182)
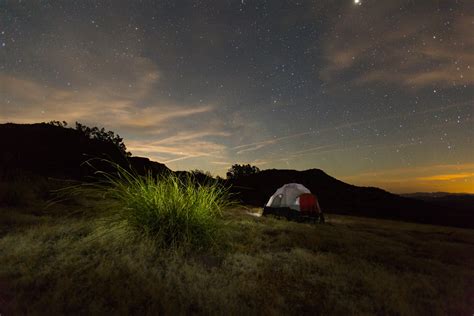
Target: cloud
point(182, 146)
point(223, 163)
point(447, 177)
point(27, 101)
point(423, 46)
point(408, 173)
point(442, 177)
point(257, 145)
point(320, 149)
point(190, 136)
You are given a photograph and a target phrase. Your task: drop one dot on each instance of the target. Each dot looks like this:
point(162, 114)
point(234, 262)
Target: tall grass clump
point(172, 210)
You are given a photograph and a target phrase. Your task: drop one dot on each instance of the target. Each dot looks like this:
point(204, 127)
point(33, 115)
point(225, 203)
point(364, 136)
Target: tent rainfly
point(294, 201)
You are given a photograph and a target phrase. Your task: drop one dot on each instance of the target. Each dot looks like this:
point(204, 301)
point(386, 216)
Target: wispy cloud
point(180, 137)
point(182, 146)
point(30, 101)
point(447, 177)
point(410, 172)
point(442, 177)
point(257, 145)
point(223, 163)
point(245, 148)
point(363, 46)
point(160, 129)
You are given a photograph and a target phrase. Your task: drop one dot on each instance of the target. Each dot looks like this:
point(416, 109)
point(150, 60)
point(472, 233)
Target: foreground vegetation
point(172, 211)
point(71, 258)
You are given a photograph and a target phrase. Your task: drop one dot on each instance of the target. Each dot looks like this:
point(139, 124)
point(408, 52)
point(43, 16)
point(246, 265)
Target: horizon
point(373, 93)
point(264, 169)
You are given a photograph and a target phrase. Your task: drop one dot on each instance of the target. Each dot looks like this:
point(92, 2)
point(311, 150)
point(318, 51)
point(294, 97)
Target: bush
point(170, 210)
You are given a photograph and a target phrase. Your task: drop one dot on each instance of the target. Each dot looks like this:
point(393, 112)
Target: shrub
point(171, 210)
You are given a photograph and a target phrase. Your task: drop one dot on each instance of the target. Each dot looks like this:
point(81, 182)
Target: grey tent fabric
point(287, 196)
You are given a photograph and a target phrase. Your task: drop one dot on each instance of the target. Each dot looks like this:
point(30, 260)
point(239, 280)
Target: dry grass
point(62, 260)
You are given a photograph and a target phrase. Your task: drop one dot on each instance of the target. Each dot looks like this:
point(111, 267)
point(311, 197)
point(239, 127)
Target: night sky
point(377, 93)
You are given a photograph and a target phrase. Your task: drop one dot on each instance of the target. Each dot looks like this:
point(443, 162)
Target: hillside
point(462, 201)
point(339, 197)
point(56, 151)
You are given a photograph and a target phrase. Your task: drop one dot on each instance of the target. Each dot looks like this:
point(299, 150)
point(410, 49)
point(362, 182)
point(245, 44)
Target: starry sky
point(376, 93)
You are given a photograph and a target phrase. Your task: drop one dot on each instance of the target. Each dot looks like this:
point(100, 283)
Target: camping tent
point(293, 200)
point(288, 196)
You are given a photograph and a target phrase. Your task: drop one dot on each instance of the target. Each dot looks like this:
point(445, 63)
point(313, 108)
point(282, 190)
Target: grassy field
point(72, 257)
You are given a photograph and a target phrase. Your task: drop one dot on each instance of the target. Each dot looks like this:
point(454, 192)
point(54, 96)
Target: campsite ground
point(67, 258)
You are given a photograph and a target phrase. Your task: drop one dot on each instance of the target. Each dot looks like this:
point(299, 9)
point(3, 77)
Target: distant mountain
point(437, 195)
point(56, 151)
point(457, 201)
point(336, 196)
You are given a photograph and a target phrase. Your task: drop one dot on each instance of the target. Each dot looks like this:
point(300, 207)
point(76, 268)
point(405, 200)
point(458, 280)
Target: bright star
point(357, 2)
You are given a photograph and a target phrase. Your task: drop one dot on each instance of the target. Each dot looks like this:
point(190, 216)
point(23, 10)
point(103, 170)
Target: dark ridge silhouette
point(434, 195)
point(459, 201)
point(144, 165)
point(56, 151)
point(339, 197)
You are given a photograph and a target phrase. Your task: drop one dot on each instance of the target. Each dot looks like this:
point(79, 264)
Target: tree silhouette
point(237, 171)
point(103, 135)
point(58, 123)
point(201, 173)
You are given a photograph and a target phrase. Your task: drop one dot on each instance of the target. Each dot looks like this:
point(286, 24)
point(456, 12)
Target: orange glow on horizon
point(439, 178)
